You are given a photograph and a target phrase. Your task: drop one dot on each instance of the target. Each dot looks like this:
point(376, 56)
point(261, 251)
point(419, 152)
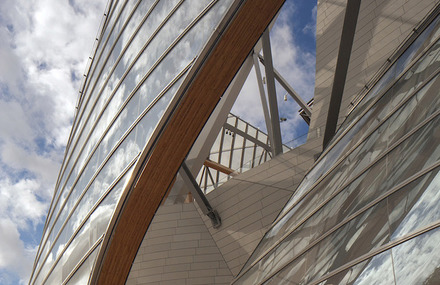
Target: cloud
point(44, 48)
point(296, 65)
point(14, 255)
point(310, 28)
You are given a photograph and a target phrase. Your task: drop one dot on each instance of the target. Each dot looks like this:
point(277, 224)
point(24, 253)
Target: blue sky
point(43, 53)
point(293, 43)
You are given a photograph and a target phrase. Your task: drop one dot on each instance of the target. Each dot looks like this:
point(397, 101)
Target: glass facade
point(143, 54)
point(367, 212)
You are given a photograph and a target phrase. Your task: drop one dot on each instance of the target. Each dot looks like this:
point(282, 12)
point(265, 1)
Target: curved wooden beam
point(136, 211)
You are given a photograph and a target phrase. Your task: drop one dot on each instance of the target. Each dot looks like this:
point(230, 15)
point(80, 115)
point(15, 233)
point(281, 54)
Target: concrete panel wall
point(178, 249)
point(249, 203)
point(382, 26)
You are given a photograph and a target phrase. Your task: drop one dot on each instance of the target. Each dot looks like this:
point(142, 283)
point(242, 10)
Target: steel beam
point(348, 31)
point(271, 95)
point(289, 89)
point(246, 136)
point(198, 195)
point(267, 118)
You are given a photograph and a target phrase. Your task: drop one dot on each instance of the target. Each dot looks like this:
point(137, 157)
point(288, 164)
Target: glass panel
point(82, 275)
point(89, 233)
point(400, 123)
point(417, 260)
point(130, 147)
point(415, 206)
point(426, 38)
point(177, 58)
point(374, 271)
point(84, 134)
point(421, 142)
point(110, 21)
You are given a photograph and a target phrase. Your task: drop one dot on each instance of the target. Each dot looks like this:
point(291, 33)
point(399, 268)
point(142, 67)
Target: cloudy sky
point(43, 53)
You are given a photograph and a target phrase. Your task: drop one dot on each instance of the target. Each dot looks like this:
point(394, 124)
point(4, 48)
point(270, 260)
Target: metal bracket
point(198, 195)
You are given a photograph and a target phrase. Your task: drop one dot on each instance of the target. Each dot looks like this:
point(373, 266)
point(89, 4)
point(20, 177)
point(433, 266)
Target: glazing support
point(198, 195)
point(289, 89)
point(271, 95)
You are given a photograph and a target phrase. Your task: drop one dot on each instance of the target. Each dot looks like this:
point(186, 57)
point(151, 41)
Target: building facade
point(361, 208)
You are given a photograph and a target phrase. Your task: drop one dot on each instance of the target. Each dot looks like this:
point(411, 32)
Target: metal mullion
point(416, 32)
point(122, 78)
point(93, 67)
point(385, 90)
point(370, 165)
point(343, 222)
point(97, 61)
point(105, 62)
point(377, 200)
point(66, 152)
point(365, 256)
point(220, 151)
point(83, 259)
point(91, 211)
point(175, 42)
point(233, 144)
point(101, 31)
point(99, 39)
point(271, 96)
point(118, 144)
point(243, 148)
point(379, 250)
point(128, 44)
point(159, 60)
point(102, 24)
point(69, 151)
point(347, 153)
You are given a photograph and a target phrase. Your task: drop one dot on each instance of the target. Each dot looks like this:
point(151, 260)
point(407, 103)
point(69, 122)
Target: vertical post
point(271, 94)
point(267, 117)
point(347, 37)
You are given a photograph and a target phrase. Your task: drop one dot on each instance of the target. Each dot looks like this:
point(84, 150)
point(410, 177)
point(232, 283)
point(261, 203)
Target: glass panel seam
point(416, 32)
point(90, 212)
point(127, 20)
point(392, 112)
point(115, 147)
point(76, 115)
point(94, 66)
point(74, 128)
point(122, 79)
point(343, 222)
point(102, 69)
point(377, 251)
point(108, 12)
point(99, 38)
point(382, 93)
point(83, 259)
point(68, 150)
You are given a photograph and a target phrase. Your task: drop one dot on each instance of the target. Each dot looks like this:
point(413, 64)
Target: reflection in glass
point(353, 201)
point(417, 260)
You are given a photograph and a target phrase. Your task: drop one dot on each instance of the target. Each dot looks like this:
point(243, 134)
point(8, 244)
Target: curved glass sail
point(371, 198)
point(144, 53)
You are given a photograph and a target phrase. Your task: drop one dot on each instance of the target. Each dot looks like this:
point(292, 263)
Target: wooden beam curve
point(136, 210)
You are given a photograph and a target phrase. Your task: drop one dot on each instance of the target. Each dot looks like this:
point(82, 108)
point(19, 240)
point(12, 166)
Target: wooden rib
point(177, 138)
point(219, 167)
